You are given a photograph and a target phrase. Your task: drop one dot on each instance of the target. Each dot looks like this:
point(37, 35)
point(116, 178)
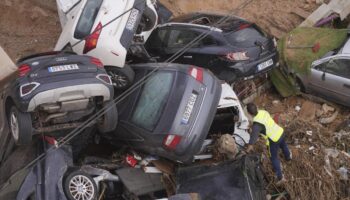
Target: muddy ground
point(32, 26)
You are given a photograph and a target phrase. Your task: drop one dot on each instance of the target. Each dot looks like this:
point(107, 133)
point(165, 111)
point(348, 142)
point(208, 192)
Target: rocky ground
point(320, 149)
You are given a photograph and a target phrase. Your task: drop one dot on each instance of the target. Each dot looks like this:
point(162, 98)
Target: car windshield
point(245, 37)
point(152, 100)
point(87, 18)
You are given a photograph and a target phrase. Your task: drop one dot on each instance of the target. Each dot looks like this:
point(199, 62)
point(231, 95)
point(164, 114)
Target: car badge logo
point(35, 63)
point(61, 59)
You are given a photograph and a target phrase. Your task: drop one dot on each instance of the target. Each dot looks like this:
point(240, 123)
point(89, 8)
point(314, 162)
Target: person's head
point(252, 109)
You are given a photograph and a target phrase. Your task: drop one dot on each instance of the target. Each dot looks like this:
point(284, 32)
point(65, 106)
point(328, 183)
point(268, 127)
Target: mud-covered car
point(105, 29)
point(329, 76)
point(234, 50)
point(171, 113)
point(57, 91)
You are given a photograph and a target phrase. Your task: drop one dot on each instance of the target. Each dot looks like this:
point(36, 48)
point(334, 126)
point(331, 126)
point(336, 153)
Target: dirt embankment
point(274, 16)
point(29, 26)
point(32, 26)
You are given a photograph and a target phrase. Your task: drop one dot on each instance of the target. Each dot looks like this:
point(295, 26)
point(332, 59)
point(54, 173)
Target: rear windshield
point(245, 37)
point(153, 100)
point(87, 18)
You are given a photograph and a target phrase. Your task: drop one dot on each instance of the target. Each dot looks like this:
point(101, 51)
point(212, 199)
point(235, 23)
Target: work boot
point(290, 156)
point(281, 181)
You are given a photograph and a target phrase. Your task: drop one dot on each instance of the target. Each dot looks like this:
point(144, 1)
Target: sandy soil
point(274, 16)
point(32, 26)
point(28, 26)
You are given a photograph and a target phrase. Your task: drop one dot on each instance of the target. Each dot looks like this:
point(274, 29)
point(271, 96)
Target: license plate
point(130, 25)
point(265, 64)
point(61, 68)
point(188, 109)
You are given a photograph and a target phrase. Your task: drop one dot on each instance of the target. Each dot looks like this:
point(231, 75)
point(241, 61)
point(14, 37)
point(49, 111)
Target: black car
point(232, 50)
point(56, 91)
point(55, 176)
point(170, 115)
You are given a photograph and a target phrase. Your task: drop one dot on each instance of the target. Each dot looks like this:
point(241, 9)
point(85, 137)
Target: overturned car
point(57, 91)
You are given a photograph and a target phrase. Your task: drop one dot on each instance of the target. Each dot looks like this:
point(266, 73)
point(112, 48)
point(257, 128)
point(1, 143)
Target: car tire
point(122, 78)
point(109, 120)
point(77, 184)
point(20, 125)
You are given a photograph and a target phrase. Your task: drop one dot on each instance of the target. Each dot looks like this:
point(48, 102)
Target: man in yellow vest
point(264, 124)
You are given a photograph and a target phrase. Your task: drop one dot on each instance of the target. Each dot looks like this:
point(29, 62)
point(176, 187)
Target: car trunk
point(251, 40)
point(57, 68)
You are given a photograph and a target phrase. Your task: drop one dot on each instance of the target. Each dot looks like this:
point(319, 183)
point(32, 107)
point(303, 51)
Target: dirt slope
point(274, 16)
point(28, 26)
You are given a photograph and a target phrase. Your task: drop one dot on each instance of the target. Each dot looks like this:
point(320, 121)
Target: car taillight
point(171, 141)
point(28, 88)
point(236, 56)
point(91, 40)
point(104, 78)
point(243, 26)
point(196, 73)
point(96, 62)
point(24, 70)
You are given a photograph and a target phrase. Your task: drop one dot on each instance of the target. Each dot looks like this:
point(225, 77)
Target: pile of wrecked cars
point(91, 121)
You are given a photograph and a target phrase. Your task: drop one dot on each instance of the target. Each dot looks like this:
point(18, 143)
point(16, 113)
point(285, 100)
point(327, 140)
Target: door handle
point(187, 56)
point(347, 86)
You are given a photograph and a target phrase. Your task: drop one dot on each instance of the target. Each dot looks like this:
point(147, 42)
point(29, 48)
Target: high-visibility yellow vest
point(273, 130)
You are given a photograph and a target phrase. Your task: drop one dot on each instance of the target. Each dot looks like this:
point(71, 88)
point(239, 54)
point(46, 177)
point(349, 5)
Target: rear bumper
point(64, 91)
point(192, 143)
point(247, 70)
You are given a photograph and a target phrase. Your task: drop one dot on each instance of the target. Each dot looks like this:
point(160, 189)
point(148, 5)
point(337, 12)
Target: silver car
point(329, 77)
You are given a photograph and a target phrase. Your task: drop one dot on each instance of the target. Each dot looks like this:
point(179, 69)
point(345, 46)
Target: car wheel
point(121, 77)
point(20, 126)
point(110, 119)
point(79, 185)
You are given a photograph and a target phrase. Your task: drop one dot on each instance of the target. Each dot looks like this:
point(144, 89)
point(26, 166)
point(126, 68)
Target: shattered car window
point(245, 37)
point(87, 18)
point(152, 100)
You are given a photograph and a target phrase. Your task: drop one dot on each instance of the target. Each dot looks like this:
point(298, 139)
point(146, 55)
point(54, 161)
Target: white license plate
point(265, 64)
point(130, 25)
point(188, 109)
point(61, 68)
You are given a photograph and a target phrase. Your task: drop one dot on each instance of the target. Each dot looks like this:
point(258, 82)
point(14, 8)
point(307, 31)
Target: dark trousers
point(274, 146)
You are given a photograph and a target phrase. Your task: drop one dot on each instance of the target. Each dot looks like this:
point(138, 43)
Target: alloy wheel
point(118, 79)
point(14, 126)
point(81, 188)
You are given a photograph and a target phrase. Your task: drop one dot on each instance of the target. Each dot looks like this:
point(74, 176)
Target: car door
point(156, 43)
point(331, 80)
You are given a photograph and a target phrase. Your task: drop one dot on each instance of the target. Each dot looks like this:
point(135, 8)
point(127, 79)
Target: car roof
point(186, 25)
point(346, 48)
point(162, 66)
point(208, 19)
